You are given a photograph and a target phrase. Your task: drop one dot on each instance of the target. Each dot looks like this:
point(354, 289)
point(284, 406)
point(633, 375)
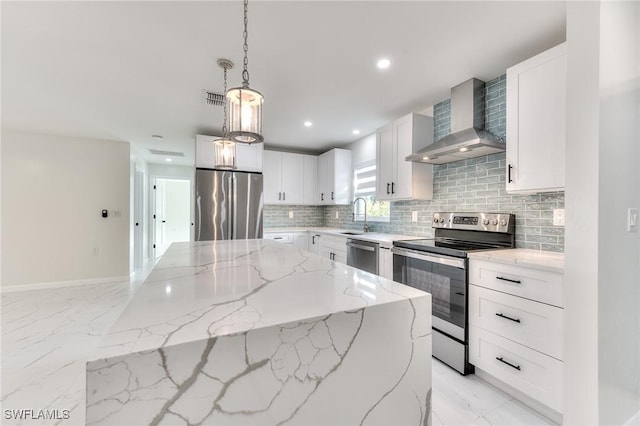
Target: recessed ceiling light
point(464, 149)
point(308, 124)
point(425, 158)
point(168, 160)
point(158, 137)
point(356, 132)
point(384, 63)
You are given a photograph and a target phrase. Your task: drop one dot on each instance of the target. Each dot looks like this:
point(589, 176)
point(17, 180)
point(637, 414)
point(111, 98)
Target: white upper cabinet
point(248, 157)
point(310, 179)
point(283, 178)
point(334, 177)
point(536, 91)
point(396, 178)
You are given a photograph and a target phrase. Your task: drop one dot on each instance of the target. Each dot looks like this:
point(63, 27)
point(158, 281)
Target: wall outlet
point(337, 215)
point(414, 216)
point(632, 220)
point(290, 214)
point(558, 217)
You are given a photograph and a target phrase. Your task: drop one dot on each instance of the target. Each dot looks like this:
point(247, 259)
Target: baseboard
point(58, 284)
point(634, 420)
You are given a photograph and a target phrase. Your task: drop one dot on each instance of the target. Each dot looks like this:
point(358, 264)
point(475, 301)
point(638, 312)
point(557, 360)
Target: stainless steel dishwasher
point(362, 255)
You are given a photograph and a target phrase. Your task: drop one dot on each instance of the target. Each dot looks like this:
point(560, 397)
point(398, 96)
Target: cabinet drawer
point(284, 237)
point(535, 374)
point(535, 325)
point(541, 286)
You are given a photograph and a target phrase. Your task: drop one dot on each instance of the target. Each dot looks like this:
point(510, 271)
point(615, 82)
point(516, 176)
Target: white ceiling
point(128, 70)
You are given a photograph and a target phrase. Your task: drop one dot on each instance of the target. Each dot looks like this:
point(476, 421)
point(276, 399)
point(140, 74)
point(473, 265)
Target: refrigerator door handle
point(199, 221)
point(230, 202)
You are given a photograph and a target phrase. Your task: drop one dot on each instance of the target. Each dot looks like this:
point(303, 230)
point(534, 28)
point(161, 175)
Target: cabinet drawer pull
point(509, 318)
point(509, 280)
point(277, 238)
point(332, 195)
point(459, 293)
point(517, 367)
point(388, 187)
point(509, 174)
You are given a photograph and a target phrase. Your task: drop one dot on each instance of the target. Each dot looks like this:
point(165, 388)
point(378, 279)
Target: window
point(364, 184)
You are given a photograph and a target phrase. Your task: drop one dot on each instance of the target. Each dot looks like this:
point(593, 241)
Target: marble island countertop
point(542, 260)
point(201, 290)
point(250, 332)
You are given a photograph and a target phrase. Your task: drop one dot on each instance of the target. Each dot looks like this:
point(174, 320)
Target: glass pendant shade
point(224, 154)
point(245, 114)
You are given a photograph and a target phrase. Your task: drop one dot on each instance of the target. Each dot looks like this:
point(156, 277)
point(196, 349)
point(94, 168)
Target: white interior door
point(172, 213)
point(138, 218)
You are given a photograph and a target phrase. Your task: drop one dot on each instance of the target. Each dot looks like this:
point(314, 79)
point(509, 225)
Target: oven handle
point(443, 260)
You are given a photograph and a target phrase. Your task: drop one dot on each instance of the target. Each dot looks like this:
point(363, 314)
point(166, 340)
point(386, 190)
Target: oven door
point(444, 277)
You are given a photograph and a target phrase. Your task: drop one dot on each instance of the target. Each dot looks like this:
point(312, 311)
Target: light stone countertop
point(201, 290)
point(385, 240)
point(535, 259)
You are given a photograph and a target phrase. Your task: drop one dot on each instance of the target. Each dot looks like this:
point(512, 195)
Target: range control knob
point(503, 222)
point(442, 220)
point(485, 221)
point(494, 222)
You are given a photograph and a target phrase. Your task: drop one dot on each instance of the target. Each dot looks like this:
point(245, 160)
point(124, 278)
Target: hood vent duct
point(468, 138)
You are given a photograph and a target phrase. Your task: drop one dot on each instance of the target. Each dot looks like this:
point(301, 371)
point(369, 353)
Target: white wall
point(602, 280)
point(53, 191)
point(362, 150)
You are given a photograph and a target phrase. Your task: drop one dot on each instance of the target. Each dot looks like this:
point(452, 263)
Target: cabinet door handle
point(387, 187)
point(459, 293)
point(313, 239)
point(517, 367)
point(506, 317)
point(509, 280)
point(277, 238)
point(284, 196)
point(393, 187)
point(509, 173)
point(279, 196)
point(322, 196)
point(332, 195)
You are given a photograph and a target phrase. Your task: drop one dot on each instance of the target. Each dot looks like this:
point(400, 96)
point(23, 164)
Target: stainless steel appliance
point(362, 255)
point(439, 266)
point(228, 205)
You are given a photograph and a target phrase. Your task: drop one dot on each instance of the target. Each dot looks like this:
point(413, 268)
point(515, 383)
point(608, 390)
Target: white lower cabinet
point(280, 237)
point(531, 372)
point(301, 240)
point(516, 326)
point(385, 262)
point(314, 242)
point(334, 248)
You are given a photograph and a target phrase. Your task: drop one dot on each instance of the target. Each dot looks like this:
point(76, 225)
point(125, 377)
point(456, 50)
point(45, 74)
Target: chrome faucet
point(366, 227)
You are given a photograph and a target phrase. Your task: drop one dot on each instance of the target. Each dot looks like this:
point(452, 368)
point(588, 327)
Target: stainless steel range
point(439, 266)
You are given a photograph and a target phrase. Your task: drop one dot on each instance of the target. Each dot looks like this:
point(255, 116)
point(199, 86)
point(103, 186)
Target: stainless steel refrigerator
point(228, 205)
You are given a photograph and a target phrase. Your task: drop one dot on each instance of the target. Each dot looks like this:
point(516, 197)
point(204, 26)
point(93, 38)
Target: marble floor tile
point(48, 334)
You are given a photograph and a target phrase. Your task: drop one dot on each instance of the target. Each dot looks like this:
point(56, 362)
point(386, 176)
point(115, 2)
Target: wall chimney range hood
point(468, 138)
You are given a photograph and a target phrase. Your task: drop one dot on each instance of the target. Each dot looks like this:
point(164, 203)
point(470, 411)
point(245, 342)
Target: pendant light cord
point(224, 122)
point(245, 72)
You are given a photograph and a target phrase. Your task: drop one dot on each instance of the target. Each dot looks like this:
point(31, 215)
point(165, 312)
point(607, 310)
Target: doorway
point(138, 219)
point(172, 213)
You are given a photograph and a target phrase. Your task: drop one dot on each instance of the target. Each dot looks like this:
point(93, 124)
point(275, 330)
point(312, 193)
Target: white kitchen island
point(256, 332)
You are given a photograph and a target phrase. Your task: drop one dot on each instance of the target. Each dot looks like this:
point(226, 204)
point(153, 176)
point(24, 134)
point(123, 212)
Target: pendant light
point(245, 104)
point(224, 148)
